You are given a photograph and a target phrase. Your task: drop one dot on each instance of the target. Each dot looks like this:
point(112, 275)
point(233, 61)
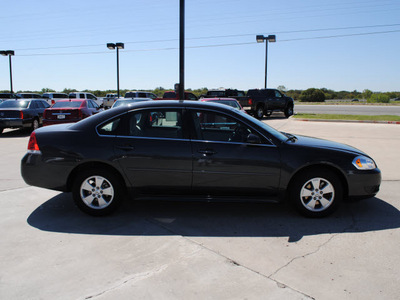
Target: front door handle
point(207, 151)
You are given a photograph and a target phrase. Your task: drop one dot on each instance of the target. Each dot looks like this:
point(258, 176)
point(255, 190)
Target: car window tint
point(191, 96)
point(90, 104)
point(39, 104)
point(212, 126)
point(156, 123)
point(109, 128)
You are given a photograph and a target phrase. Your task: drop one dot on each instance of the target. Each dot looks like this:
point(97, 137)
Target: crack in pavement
point(228, 259)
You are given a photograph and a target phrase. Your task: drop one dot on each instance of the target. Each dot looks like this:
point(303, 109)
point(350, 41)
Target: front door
point(224, 163)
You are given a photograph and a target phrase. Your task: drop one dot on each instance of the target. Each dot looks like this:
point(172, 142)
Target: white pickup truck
point(109, 100)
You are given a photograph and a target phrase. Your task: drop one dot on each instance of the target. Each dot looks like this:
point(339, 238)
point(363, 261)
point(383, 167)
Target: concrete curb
point(348, 121)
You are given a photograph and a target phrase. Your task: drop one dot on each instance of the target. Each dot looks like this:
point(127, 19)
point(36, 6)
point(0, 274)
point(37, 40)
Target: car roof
point(72, 100)
point(216, 99)
point(111, 113)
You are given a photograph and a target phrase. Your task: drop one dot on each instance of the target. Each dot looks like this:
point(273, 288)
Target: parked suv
point(52, 98)
point(84, 95)
point(139, 94)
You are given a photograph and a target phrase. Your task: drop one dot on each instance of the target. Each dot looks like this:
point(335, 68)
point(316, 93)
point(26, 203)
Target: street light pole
point(266, 64)
point(116, 46)
point(9, 53)
point(181, 89)
point(261, 39)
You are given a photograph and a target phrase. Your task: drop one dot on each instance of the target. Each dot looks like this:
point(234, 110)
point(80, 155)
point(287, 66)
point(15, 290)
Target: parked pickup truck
point(257, 102)
point(260, 102)
point(109, 100)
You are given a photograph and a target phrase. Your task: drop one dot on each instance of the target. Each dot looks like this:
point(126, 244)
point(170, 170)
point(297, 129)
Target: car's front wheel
point(97, 192)
point(316, 193)
point(288, 111)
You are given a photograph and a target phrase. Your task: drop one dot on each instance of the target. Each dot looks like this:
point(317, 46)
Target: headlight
point(364, 163)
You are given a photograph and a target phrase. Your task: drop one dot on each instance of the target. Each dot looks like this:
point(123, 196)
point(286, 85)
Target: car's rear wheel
point(97, 192)
point(35, 124)
point(316, 193)
point(259, 113)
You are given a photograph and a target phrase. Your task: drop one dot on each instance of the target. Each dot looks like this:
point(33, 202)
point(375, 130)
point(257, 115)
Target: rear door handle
point(126, 147)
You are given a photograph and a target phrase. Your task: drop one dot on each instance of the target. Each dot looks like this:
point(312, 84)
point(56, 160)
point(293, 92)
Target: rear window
point(233, 104)
point(217, 94)
point(169, 95)
point(60, 104)
point(130, 95)
point(14, 104)
point(7, 96)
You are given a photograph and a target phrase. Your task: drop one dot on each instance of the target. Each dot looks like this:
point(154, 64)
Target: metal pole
point(11, 85)
point(266, 61)
point(182, 50)
point(117, 72)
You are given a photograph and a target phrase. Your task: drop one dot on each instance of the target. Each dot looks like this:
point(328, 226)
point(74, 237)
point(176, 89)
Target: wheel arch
point(318, 167)
point(94, 165)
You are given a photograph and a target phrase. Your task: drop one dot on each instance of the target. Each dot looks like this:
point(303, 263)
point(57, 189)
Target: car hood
point(312, 142)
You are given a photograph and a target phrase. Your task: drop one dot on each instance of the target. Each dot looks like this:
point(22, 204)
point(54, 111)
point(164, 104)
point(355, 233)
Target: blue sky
point(337, 44)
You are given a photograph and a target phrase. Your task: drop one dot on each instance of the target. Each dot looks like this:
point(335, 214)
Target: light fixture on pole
point(9, 53)
point(261, 39)
point(117, 46)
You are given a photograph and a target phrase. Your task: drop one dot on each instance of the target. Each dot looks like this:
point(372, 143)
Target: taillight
point(52, 102)
point(33, 146)
point(80, 114)
point(21, 115)
point(250, 101)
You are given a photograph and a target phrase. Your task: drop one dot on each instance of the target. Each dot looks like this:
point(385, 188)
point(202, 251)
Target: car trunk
point(63, 114)
point(11, 114)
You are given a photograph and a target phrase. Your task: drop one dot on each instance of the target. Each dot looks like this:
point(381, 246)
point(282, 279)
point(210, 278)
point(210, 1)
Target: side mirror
point(253, 139)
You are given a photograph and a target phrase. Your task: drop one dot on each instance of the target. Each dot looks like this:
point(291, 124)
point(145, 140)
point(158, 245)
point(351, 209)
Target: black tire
point(316, 193)
point(1, 130)
point(288, 111)
point(97, 192)
point(35, 124)
point(259, 112)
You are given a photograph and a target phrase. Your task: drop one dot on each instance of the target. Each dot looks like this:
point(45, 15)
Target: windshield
point(277, 134)
point(67, 104)
point(14, 104)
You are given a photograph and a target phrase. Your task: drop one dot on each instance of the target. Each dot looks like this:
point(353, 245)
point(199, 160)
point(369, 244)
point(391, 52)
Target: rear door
point(155, 152)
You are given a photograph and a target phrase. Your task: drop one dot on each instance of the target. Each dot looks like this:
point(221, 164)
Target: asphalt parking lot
point(156, 250)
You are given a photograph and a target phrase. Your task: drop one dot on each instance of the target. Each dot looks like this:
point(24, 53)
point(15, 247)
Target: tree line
point(308, 95)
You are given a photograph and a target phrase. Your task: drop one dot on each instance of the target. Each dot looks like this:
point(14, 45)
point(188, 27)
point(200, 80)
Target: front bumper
point(364, 184)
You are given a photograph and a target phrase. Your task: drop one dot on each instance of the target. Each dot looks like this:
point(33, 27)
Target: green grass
point(348, 117)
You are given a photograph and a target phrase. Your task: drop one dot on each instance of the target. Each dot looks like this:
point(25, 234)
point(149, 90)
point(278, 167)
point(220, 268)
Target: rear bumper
point(11, 123)
point(36, 172)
